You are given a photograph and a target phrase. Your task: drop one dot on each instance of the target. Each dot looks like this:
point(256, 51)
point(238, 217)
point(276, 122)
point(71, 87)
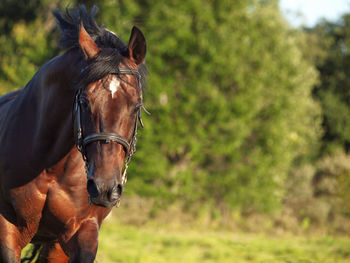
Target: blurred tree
point(28, 39)
point(327, 46)
point(230, 100)
point(333, 90)
point(229, 95)
point(13, 11)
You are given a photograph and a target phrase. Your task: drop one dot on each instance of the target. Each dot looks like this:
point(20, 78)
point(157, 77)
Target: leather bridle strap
point(107, 137)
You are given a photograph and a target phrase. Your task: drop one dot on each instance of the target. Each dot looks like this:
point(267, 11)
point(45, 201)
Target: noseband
point(107, 137)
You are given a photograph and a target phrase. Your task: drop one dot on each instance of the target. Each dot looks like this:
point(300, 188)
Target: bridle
point(107, 137)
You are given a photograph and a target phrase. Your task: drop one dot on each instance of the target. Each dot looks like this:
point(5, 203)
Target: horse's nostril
point(114, 193)
point(92, 188)
point(119, 189)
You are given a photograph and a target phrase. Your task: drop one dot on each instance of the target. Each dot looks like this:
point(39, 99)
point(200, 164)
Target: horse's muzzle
point(101, 195)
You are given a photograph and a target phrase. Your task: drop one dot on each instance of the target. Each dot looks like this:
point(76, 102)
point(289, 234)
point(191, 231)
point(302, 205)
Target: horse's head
point(107, 111)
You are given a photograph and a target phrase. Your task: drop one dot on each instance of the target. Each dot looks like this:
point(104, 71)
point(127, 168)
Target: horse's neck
point(44, 109)
point(55, 129)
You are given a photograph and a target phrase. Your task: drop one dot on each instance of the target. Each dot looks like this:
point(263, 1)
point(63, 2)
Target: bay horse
point(66, 140)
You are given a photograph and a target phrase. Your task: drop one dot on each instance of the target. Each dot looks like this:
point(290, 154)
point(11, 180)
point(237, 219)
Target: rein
point(107, 137)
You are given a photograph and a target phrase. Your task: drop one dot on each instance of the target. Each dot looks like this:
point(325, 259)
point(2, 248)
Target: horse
point(66, 140)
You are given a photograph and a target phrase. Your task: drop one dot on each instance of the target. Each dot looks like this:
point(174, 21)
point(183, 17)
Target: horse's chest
point(62, 213)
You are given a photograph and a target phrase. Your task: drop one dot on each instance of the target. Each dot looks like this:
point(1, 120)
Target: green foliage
point(333, 90)
point(23, 51)
point(229, 92)
point(230, 101)
point(331, 182)
point(13, 11)
point(319, 194)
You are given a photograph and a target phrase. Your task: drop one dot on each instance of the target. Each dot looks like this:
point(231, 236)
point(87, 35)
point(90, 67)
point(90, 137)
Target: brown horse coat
point(43, 184)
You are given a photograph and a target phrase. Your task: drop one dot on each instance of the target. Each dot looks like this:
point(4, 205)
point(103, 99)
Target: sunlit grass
point(119, 243)
point(127, 244)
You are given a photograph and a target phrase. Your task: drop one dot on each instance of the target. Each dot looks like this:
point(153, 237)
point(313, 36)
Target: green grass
point(120, 243)
point(128, 244)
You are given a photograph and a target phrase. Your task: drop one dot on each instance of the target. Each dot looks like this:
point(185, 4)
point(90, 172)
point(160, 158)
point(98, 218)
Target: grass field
point(128, 244)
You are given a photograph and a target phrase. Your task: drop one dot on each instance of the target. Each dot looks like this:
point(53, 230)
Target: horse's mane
point(112, 47)
point(68, 21)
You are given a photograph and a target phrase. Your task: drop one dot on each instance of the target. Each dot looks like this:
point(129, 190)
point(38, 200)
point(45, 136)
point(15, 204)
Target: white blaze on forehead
point(113, 85)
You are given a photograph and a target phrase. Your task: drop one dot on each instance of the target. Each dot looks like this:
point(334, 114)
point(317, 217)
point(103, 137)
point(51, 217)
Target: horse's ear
point(137, 46)
point(87, 44)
